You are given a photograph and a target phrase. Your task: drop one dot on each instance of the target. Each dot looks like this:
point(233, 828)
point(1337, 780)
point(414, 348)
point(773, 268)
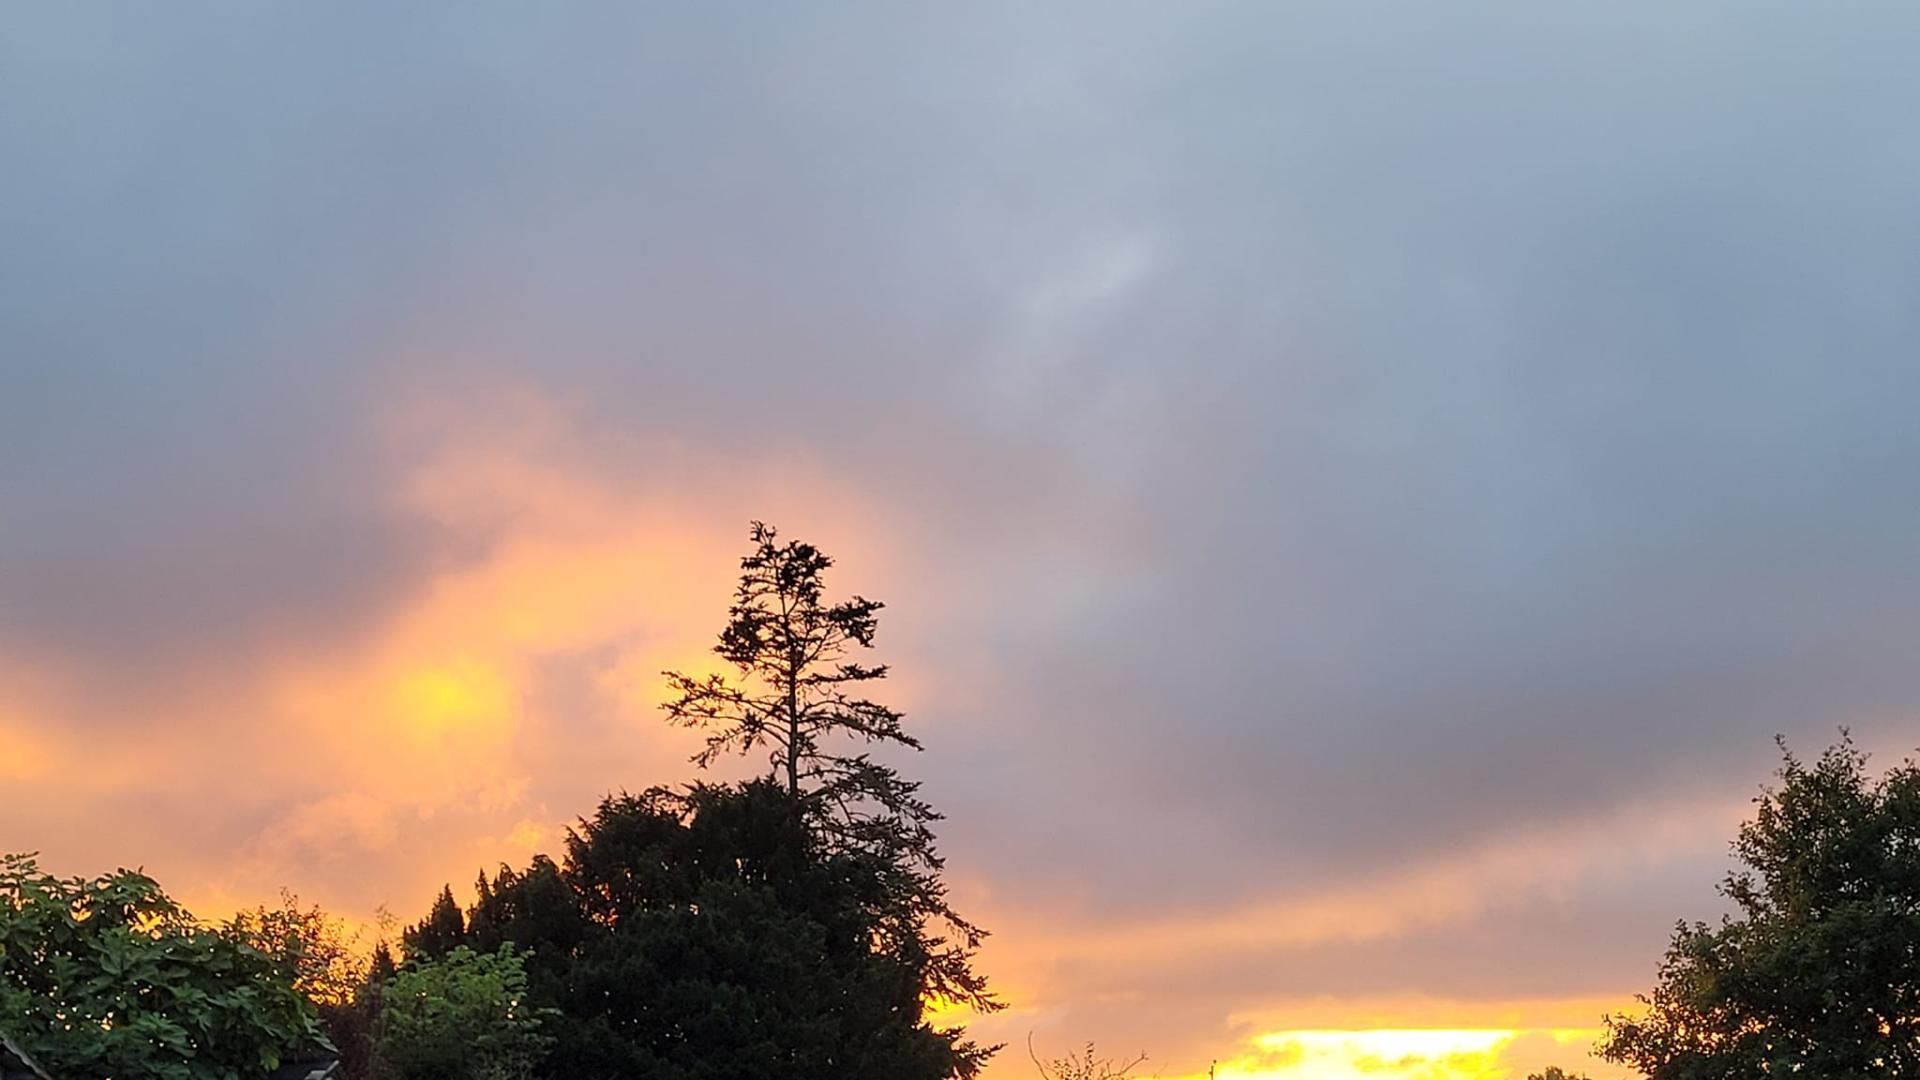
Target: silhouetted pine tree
point(796, 692)
point(382, 967)
point(443, 930)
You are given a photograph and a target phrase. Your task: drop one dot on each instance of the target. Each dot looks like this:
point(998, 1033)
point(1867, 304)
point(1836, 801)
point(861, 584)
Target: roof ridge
point(26, 1060)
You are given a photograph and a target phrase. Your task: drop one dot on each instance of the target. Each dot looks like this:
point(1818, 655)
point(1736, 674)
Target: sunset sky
point(1357, 486)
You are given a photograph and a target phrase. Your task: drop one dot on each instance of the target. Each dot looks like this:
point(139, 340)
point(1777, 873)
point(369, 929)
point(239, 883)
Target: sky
point(1357, 486)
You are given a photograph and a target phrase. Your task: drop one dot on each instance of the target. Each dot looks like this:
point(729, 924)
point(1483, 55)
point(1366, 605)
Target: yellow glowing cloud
point(1409, 1054)
point(463, 697)
point(1382, 1054)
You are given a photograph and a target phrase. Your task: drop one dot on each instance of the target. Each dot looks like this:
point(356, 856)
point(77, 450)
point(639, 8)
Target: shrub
point(464, 1016)
point(109, 977)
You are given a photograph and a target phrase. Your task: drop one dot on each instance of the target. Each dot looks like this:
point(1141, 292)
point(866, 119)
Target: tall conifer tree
point(797, 691)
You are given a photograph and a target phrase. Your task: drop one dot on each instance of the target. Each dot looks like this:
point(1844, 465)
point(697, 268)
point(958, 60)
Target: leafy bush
point(464, 1016)
point(109, 977)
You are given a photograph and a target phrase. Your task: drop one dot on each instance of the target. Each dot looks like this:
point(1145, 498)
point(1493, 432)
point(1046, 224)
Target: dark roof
point(15, 1064)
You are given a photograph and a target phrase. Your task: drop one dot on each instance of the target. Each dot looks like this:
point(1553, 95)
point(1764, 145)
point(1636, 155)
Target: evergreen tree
point(481, 935)
point(797, 693)
point(381, 967)
point(442, 931)
point(708, 935)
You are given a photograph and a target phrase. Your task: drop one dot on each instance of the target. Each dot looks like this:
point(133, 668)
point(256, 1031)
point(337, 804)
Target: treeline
point(797, 926)
point(700, 934)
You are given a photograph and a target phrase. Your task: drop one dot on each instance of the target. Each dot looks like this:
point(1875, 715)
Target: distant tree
point(318, 952)
point(462, 1016)
point(443, 930)
point(108, 977)
point(323, 960)
point(380, 967)
point(478, 928)
point(1087, 1066)
point(1817, 973)
point(1555, 1072)
point(796, 692)
point(540, 906)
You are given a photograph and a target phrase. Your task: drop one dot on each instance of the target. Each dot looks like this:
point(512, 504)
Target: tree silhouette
point(443, 930)
point(1815, 974)
point(796, 692)
point(708, 935)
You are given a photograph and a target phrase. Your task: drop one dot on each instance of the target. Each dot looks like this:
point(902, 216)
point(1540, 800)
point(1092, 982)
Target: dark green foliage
point(709, 935)
point(443, 930)
point(538, 906)
point(108, 977)
point(381, 967)
point(796, 693)
point(462, 1016)
point(1818, 972)
point(350, 1028)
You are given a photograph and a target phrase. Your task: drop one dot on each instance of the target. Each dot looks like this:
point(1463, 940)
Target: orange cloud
point(22, 755)
point(420, 748)
point(1063, 958)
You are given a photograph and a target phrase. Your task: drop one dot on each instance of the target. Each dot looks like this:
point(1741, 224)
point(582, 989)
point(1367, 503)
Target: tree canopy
point(707, 934)
point(1816, 973)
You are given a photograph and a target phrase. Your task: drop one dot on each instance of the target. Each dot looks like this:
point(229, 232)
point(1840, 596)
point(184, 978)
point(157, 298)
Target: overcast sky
point(1357, 486)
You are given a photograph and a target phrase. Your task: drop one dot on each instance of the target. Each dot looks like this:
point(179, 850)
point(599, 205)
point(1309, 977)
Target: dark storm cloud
point(1330, 430)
